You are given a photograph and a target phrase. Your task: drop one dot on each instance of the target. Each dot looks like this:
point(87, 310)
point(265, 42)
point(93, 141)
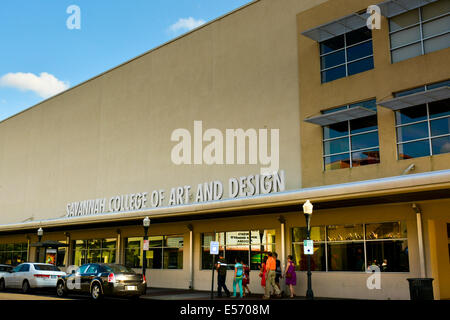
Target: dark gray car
point(99, 279)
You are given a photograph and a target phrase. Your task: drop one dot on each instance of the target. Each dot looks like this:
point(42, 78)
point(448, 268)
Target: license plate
point(54, 277)
point(130, 288)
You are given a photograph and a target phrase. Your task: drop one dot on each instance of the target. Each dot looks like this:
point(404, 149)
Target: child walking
point(246, 280)
point(238, 276)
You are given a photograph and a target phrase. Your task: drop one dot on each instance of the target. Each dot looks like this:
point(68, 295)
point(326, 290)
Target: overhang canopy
point(435, 183)
point(341, 115)
point(392, 8)
point(337, 27)
point(417, 98)
point(49, 244)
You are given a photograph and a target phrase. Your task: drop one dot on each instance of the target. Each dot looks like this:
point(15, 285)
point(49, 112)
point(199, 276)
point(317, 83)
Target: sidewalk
point(185, 294)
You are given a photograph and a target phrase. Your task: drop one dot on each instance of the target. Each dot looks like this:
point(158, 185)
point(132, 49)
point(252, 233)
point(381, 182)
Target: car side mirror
point(73, 271)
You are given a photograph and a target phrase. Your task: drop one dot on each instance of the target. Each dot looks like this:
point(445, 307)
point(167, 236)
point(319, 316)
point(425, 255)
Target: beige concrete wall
point(380, 83)
point(436, 215)
point(111, 135)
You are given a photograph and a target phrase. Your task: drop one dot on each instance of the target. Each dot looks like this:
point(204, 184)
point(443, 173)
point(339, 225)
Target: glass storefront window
point(94, 251)
point(386, 230)
point(133, 253)
point(354, 247)
point(300, 259)
point(13, 253)
point(165, 252)
point(346, 256)
point(345, 232)
point(233, 244)
point(389, 256)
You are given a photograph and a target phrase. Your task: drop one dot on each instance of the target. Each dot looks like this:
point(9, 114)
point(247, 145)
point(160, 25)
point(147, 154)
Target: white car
point(4, 268)
point(28, 276)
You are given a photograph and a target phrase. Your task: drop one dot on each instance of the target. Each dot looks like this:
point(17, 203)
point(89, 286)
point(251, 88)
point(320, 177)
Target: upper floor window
point(346, 55)
point(351, 143)
point(420, 31)
point(423, 130)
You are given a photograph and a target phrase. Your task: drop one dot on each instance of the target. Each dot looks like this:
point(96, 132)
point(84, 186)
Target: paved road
point(34, 296)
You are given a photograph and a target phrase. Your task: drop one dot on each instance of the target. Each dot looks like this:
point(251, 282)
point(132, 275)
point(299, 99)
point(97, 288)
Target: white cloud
point(186, 24)
point(45, 85)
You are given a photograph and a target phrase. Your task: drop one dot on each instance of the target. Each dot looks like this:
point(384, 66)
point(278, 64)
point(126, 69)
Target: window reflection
point(346, 55)
point(351, 143)
point(424, 130)
point(165, 252)
point(420, 31)
point(235, 244)
point(354, 247)
point(13, 253)
point(94, 251)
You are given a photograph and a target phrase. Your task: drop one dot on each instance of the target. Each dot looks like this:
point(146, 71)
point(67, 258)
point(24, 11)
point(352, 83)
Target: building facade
point(355, 119)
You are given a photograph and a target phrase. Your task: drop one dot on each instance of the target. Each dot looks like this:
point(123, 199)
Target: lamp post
point(146, 223)
point(307, 211)
point(40, 233)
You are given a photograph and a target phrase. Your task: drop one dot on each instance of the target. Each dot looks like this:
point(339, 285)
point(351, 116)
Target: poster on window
point(50, 256)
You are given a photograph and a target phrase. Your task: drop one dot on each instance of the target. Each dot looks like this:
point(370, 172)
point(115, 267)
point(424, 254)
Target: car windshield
point(117, 268)
point(46, 267)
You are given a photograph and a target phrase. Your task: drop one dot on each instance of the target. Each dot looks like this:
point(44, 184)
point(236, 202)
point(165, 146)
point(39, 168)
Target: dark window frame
point(346, 62)
point(349, 135)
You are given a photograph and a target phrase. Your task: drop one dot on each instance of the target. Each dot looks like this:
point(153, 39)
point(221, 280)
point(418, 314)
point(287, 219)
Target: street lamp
point(307, 211)
point(40, 233)
point(146, 223)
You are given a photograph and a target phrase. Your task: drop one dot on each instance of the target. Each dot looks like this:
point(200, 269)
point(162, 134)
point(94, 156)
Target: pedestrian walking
point(246, 280)
point(238, 276)
point(262, 272)
point(278, 272)
point(290, 275)
point(221, 268)
point(271, 266)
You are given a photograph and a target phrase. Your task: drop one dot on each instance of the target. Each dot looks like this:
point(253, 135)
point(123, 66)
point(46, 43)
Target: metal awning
point(341, 115)
point(393, 8)
point(337, 27)
point(417, 98)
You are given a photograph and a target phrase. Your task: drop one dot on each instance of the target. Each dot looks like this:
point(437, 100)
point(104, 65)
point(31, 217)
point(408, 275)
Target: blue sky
point(40, 56)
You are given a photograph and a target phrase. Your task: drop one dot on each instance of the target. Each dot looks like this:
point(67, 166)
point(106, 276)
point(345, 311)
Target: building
point(364, 133)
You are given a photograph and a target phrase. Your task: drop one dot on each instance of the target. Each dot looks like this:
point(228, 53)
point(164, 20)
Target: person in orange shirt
point(271, 266)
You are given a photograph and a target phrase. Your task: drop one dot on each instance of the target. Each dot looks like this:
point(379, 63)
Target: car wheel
point(60, 290)
point(96, 292)
point(25, 287)
point(2, 285)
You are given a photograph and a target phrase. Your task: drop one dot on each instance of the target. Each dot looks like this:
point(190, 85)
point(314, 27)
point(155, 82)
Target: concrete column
point(191, 256)
point(420, 240)
point(68, 255)
point(283, 248)
point(28, 249)
point(119, 258)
